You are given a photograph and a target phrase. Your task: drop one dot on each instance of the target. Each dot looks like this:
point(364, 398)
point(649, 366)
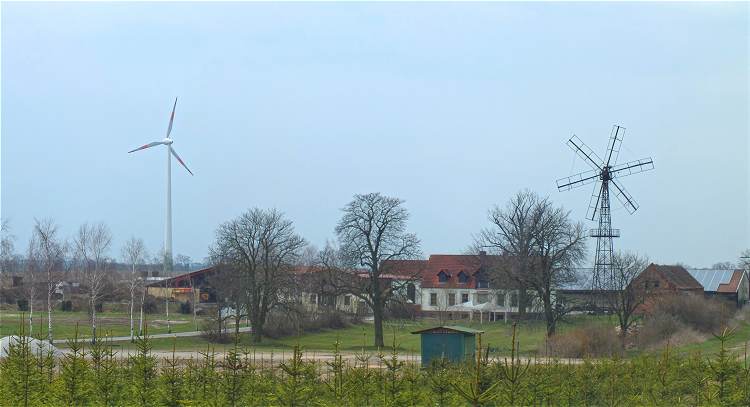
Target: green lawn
point(530, 337)
point(112, 323)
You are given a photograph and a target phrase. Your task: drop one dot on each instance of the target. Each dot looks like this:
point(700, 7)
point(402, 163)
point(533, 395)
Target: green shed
point(454, 343)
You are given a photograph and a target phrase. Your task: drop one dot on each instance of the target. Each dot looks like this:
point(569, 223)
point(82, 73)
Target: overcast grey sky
point(451, 107)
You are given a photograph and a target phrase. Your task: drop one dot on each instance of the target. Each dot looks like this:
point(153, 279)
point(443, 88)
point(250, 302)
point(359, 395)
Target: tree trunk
point(549, 316)
point(92, 303)
point(49, 314)
point(132, 304)
point(31, 315)
point(377, 316)
point(140, 321)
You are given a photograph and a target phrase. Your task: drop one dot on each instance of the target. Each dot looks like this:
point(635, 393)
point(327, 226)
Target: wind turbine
point(167, 141)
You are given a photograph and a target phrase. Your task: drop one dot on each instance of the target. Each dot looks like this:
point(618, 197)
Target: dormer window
point(443, 277)
point(463, 278)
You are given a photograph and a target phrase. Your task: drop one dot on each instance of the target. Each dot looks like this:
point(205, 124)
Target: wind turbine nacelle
point(167, 141)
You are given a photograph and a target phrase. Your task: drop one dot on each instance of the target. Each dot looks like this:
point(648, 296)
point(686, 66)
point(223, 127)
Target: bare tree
point(622, 297)
point(724, 265)
point(745, 259)
point(231, 291)
point(542, 246)
point(262, 246)
point(511, 234)
point(92, 244)
point(8, 257)
point(31, 278)
point(183, 262)
point(49, 254)
point(134, 253)
point(372, 231)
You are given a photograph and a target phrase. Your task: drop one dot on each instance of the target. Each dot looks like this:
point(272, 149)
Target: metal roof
point(710, 279)
point(455, 328)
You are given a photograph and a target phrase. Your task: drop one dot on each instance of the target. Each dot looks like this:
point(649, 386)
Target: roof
point(727, 281)
point(454, 328)
point(677, 275)
point(161, 282)
point(403, 269)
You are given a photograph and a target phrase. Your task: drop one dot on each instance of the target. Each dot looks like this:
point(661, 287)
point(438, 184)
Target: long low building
point(730, 285)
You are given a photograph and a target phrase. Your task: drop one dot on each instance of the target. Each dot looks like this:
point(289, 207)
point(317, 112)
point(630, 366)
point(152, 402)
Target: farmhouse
point(459, 286)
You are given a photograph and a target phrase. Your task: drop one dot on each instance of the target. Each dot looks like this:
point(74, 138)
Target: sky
point(298, 106)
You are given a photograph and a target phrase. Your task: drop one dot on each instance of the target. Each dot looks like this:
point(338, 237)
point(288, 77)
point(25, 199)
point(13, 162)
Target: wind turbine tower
point(167, 141)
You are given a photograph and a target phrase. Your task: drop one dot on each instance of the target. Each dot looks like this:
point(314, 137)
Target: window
point(463, 278)
point(451, 298)
point(347, 300)
point(433, 299)
point(481, 298)
point(483, 284)
point(313, 299)
point(514, 298)
point(465, 297)
point(500, 298)
point(443, 277)
point(411, 292)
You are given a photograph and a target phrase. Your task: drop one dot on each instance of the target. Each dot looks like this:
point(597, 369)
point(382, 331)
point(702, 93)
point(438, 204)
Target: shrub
point(66, 305)
point(279, 324)
point(211, 329)
point(23, 304)
point(588, 341)
point(151, 304)
point(697, 312)
point(186, 307)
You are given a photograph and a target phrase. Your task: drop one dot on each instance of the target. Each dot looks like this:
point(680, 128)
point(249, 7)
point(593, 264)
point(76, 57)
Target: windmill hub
point(604, 173)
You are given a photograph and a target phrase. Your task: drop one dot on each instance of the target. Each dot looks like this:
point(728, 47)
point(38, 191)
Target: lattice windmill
point(604, 173)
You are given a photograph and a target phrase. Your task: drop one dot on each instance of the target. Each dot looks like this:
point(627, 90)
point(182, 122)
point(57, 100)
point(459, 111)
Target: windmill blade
point(625, 198)
point(596, 197)
point(632, 167)
point(145, 146)
point(585, 152)
point(174, 153)
point(171, 118)
point(574, 181)
point(615, 140)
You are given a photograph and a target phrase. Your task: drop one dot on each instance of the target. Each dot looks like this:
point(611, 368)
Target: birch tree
point(49, 254)
point(134, 254)
point(372, 231)
point(92, 244)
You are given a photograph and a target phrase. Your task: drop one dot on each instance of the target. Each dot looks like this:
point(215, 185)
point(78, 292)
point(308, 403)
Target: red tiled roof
point(677, 275)
point(733, 284)
point(451, 264)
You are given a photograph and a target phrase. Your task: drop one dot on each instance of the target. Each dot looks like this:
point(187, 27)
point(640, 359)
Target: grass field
point(530, 334)
point(112, 323)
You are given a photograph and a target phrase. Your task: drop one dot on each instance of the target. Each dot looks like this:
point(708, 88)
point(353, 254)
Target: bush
point(694, 311)
point(588, 341)
point(186, 307)
point(66, 305)
point(151, 304)
point(292, 322)
point(23, 304)
point(211, 330)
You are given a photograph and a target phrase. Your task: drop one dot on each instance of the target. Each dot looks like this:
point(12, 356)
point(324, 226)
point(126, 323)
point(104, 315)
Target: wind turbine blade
point(145, 146)
point(171, 118)
point(174, 153)
point(596, 197)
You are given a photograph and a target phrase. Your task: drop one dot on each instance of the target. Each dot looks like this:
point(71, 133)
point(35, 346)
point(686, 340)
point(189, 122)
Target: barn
point(729, 285)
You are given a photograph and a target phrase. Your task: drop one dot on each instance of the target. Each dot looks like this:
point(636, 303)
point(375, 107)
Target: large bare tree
point(542, 245)
point(622, 297)
point(134, 254)
point(372, 231)
point(49, 257)
point(511, 234)
point(262, 246)
point(92, 243)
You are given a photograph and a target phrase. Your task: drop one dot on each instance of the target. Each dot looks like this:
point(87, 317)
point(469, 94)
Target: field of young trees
point(98, 375)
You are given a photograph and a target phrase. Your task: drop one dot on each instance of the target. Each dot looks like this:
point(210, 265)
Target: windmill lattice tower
point(604, 173)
